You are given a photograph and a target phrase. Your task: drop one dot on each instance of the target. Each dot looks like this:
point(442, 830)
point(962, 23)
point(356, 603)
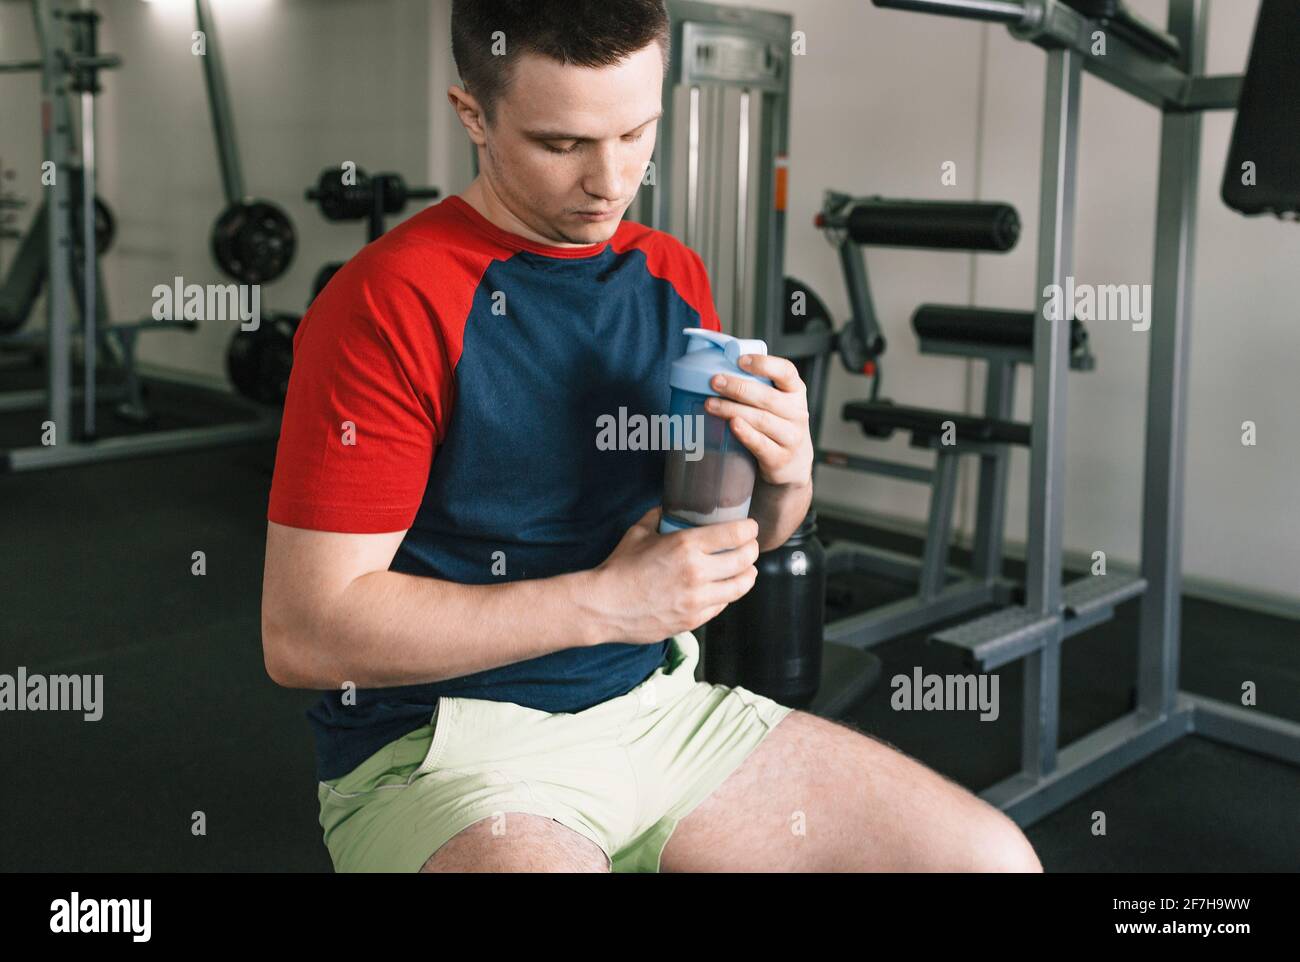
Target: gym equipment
point(939, 225)
point(1000, 338)
point(74, 227)
point(812, 314)
point(341, 201)
point(1115, 17)
point(719, 165)
point(253, 240)
point(353, 195)
point(9, 203)
point(26, 275)
point(806, 313)
point(770, 641)
point(1051, 775)
point(1268, 117)
point(258, 362)
point(105, 227)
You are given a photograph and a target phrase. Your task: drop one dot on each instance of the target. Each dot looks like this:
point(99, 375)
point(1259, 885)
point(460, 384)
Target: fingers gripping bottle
point(710, 475)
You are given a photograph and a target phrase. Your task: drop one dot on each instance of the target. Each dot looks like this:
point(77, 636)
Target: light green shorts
point(622, 773)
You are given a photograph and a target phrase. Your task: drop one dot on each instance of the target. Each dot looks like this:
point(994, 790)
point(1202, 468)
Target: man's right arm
point(332, 612)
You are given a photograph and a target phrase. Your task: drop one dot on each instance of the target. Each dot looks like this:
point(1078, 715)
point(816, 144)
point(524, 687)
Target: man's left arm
point(772, 422)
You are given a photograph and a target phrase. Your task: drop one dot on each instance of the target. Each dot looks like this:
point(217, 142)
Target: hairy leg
point(820, 796)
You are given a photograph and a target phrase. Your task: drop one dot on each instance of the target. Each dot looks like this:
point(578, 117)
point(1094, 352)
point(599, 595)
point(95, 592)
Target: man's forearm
point(389, 629)
point(779, 510)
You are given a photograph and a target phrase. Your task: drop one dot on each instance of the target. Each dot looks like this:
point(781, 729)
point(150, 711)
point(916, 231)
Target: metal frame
point(223, 124)
point(941, 592)
point(1052, 775)
point(750, 59)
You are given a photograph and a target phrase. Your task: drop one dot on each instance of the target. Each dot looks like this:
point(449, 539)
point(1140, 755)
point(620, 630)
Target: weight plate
point(254, 241)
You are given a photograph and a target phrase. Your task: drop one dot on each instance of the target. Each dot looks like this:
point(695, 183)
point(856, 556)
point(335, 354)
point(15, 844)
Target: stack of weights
point(770, 641)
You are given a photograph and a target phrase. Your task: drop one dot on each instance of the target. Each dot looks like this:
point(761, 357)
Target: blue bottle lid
point(710, 353)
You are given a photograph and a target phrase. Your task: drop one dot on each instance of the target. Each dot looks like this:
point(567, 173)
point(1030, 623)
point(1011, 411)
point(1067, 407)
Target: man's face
point(569, 145)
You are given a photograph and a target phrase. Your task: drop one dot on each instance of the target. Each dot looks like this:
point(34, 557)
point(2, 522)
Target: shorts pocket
point(399, 762)
point(445, 714)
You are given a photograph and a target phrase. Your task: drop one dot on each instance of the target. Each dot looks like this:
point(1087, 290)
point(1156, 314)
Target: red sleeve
point(368, 402)
point(670, 259)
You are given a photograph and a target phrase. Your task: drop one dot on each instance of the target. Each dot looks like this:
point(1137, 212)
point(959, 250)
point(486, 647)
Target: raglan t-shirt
point(450, 382)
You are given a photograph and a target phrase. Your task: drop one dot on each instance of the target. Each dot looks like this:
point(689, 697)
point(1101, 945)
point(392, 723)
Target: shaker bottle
point(710, 475)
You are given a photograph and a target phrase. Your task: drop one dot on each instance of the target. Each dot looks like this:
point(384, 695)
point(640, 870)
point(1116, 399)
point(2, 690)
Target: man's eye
point(557, 150)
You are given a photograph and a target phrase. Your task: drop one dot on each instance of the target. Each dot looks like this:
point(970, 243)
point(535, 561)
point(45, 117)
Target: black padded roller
point(882, 416)
point(945, 225)
point(976, 325)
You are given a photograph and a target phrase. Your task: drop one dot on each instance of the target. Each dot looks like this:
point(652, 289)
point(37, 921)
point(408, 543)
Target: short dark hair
point(586, 33)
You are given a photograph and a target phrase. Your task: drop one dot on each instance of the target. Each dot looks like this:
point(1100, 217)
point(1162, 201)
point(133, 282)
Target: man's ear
point(470, 113)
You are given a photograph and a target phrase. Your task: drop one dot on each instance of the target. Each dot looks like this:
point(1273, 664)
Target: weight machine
point(1002, 339)
point(1164, 69)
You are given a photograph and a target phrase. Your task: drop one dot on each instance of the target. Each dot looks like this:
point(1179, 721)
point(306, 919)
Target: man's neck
point(485, 200)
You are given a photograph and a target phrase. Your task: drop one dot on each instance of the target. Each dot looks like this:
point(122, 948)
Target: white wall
point(881, 100)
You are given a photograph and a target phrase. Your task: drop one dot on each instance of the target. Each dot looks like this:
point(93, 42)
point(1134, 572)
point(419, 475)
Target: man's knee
point(987, 840)
point(1001, 846)
point(517, 842)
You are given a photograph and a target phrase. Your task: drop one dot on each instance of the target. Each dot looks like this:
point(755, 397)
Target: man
point(504, 638)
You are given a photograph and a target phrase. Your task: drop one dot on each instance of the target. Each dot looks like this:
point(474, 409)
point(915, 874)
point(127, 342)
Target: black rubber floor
point(1195, 806)
point(95, 577)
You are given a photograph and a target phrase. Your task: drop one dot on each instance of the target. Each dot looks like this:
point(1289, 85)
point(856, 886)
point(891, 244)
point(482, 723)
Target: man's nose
point(606, 176)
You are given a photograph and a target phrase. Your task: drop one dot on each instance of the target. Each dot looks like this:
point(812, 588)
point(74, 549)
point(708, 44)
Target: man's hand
point(655, 585)
point(772, 422)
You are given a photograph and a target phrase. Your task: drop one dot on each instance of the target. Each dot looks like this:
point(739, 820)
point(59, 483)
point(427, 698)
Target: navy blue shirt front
point(476, 367)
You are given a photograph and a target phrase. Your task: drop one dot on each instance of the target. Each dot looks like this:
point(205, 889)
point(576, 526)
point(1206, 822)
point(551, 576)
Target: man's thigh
point(517, 842)
point(818, 796)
